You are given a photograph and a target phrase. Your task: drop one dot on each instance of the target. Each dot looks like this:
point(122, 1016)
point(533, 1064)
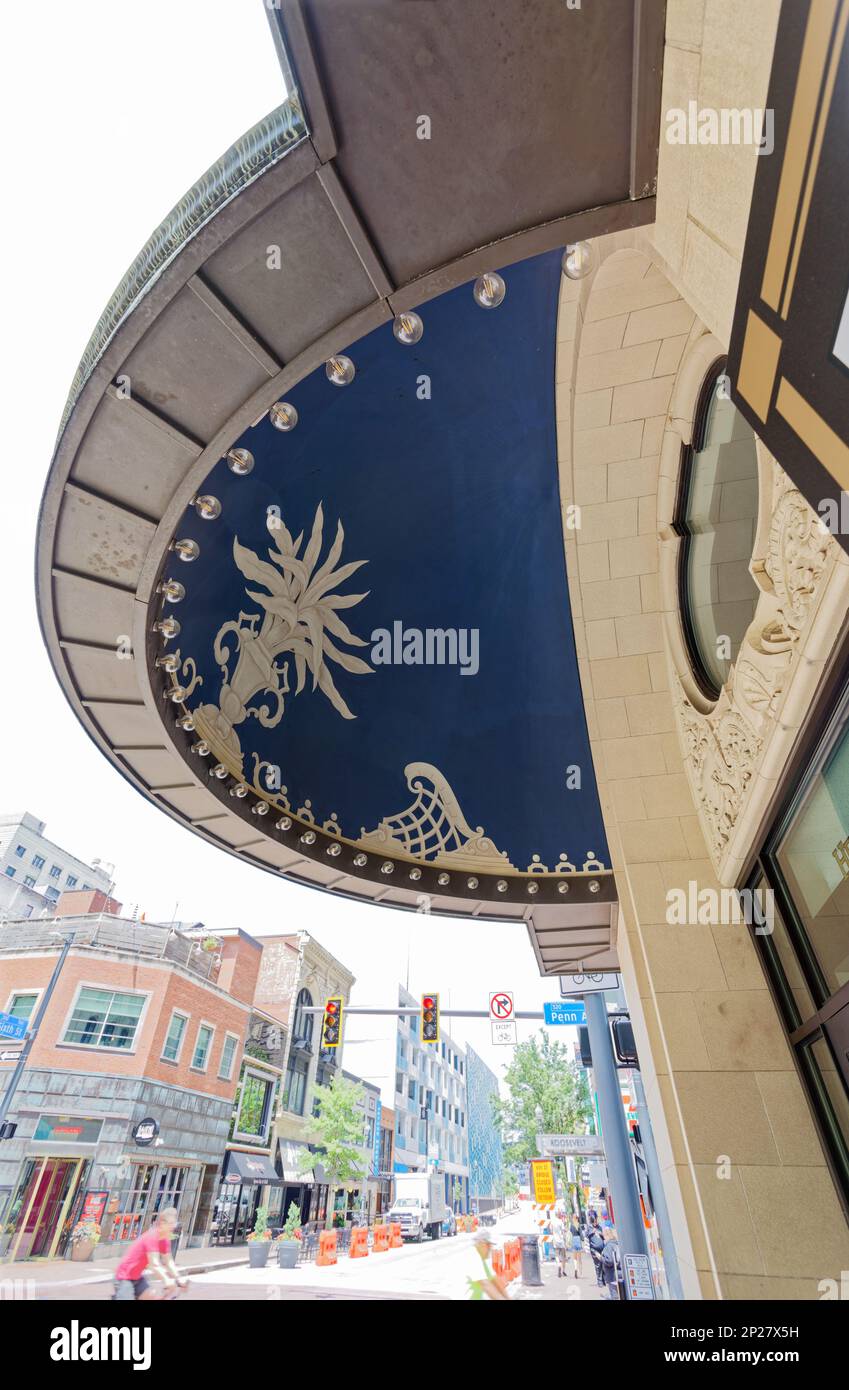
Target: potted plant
point(259, 1240)
point(84, 1240)
point(289, 1238)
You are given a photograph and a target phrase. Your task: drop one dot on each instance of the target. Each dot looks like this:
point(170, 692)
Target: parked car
point(449, 1223)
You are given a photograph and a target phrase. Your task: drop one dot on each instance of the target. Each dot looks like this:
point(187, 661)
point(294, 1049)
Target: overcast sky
point(112, 113)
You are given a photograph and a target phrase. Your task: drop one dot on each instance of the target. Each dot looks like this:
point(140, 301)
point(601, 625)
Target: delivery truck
point(419, 1205)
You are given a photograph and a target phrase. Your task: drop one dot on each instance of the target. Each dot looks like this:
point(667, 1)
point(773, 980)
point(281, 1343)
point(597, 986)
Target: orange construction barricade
point(381, 1238)
point(396, 1240)
point(326, 1248)
point(359, 1242)
point(498, 1262)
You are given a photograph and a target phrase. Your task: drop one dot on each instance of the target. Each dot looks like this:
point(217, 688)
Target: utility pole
point(14, 1079)
point(617, 1149)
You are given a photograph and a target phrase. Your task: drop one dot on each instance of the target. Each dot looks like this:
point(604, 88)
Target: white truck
point(419, 1205)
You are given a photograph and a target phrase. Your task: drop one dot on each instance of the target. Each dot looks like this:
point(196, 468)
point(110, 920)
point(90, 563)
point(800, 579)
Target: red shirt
point(134, 1262)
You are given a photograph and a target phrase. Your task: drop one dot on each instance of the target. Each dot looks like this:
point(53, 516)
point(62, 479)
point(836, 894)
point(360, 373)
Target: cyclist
point(151, 1251)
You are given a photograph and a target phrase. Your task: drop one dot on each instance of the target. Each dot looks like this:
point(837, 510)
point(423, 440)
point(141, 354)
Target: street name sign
point(500, 1005)
point(562, 1011)
point(504, 1032)
point(542, 1181)
point(558, 1145)
point(11, 1027)
point(574, 985)
point(638, 1278)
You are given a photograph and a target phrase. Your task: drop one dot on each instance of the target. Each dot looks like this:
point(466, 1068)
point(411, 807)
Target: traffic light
point(331, 1028)
point(430, 1018)
point(623, 1042)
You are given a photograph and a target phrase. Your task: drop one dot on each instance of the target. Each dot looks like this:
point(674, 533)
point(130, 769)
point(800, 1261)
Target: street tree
point(546, 1092)
point(338, 1134)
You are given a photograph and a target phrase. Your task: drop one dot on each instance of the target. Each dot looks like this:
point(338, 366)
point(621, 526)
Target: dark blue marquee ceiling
point(436, 470)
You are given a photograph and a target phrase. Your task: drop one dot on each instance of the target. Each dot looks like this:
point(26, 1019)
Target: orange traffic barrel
point(396, 1240)
point(326, 1248)
point(359, 1243)
point(381, 1238)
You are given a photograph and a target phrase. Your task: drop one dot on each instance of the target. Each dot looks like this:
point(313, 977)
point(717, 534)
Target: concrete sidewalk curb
point(107, 1277)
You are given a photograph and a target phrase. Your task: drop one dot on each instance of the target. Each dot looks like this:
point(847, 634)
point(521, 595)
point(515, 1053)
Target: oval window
point(716, 519)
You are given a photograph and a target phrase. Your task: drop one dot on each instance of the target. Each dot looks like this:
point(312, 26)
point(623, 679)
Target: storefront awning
point(250, 1168)
point(289, 1152)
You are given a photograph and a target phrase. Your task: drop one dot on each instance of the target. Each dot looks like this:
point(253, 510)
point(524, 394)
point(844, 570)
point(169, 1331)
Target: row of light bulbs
point(241, 791)
point(489, 291)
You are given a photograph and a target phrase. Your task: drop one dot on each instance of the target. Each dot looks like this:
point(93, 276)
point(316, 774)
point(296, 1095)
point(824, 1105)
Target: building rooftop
point(107, 933)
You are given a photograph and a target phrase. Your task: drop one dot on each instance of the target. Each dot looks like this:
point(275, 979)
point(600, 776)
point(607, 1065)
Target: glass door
point(48, 1190)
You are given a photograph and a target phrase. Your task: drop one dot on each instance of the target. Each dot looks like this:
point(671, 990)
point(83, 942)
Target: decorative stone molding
point(736, 748)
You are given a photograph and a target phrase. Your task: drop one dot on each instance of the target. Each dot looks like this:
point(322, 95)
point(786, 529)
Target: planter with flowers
point(259, 1240)
point(85, 1238)
point(288, 1242)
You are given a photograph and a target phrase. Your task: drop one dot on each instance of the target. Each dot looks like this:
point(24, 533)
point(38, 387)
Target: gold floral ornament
point(300, 619)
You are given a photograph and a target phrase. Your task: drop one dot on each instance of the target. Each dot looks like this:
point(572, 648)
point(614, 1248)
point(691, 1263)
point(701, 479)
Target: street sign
point(11, 1055)
point(571, 986)
point(504, 1032)
point(638, 1277)
point(542, 1181)
point(561, 1011)
point(556, 1145)
point(500, 1006)
point(11, 1027)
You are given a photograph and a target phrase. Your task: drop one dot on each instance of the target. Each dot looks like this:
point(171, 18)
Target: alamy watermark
point(692, 906)
point(430, 646)
point(726, 125)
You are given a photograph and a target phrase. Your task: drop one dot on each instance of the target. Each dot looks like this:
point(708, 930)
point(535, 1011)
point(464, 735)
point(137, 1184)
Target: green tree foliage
point(541, 1075)
point(338, 1133)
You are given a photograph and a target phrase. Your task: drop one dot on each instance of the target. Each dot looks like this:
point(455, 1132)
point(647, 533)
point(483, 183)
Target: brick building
point(144, 1023)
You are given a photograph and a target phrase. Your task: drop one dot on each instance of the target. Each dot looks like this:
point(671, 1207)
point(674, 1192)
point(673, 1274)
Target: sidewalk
point(565, 1290)
point(68, 1273)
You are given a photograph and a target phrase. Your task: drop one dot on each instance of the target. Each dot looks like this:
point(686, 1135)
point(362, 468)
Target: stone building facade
point(690, 782)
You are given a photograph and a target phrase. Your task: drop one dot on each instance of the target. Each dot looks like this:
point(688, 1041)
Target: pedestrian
point(596, 1244)
point(151, 1251)
point(611, 1264)
point(577, 1246)
point(559, 1235)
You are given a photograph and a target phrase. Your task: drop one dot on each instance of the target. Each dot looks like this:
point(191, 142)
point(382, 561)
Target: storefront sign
point(94, 1206)
point(66, 1129)
point(145, 1131)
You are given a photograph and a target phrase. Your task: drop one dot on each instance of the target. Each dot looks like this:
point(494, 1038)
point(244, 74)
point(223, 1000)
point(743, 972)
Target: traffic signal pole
point(614, 1132)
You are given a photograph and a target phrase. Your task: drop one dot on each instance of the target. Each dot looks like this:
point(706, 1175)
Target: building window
point(29, 881)
point(52, 894)
point(399, 1083)
point(22, 1005)
point(104, 1018)
point(20, 851)
point(296, 1085)
point(716, 515)
point(805, 946)
point(38, 861)
point(203, 1043)
point(256, 1102)
point(55, 871)
point(411, 1090)
point(174, 1039)
point(303, 1023)
point(228, 1056)
point(10, 872)
point(71, 881)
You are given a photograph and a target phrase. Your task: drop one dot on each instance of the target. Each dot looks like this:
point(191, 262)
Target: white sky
point(112, 112)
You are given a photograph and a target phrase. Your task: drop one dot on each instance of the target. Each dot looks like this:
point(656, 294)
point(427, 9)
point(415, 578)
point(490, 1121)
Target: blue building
point(486, 1154)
